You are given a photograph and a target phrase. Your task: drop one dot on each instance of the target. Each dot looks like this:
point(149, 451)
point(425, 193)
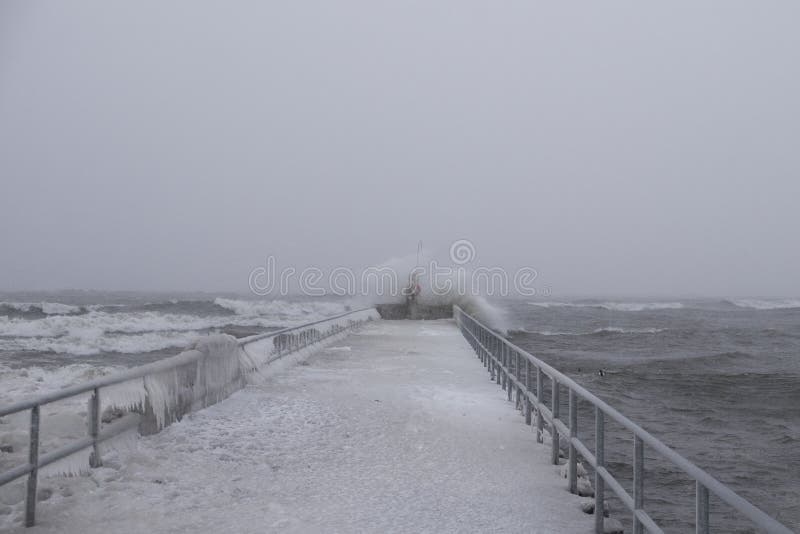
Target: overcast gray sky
point(617, 147)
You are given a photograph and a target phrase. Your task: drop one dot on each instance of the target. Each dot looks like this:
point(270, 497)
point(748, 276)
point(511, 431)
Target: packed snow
point(400, 431)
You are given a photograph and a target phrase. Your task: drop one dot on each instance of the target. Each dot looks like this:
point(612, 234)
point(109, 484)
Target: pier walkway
point(395, 428)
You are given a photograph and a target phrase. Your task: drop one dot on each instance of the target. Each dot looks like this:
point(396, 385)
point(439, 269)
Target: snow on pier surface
point(397, 428)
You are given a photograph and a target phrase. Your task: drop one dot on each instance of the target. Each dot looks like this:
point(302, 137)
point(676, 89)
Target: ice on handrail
point(265, 351)
point(75, 464)
point(218, 367)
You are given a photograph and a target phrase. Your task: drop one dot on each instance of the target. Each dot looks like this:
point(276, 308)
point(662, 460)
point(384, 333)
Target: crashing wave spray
point(423, 298)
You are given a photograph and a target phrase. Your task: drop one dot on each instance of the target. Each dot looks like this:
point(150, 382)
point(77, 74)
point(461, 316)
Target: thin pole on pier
point(498, 370)
point(600, 462)
point(502, 357)
point(509, 383)
point(527, 391)
point(573, 433)
point(33, 476)
point(539, 401)
point(553, 429)
point(519, 386)
point(701, 509)
point(638, 482)
point(94, 428)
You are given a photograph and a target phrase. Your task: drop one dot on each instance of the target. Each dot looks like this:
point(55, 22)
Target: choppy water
point(133, 328)
point(718, 381)
point(48, 341)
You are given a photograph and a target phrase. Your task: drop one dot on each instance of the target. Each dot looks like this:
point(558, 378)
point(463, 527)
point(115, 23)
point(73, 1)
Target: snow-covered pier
point(395, 428)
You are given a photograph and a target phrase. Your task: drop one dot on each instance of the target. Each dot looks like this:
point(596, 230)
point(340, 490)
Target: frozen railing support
point(163, 391)
point(94, 427)
point(33, 463)
point(600, 463)
point(506, 362)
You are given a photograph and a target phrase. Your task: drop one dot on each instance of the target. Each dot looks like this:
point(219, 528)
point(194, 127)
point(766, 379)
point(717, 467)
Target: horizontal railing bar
point(727, 495)
point(585, 453)
point(561, 427)
point(12, 474)
point(143, 370)
point(612, 483)
point(547, 415)
point(63, 452)
point(111, 431)
point(648, 522)
point(123, 376)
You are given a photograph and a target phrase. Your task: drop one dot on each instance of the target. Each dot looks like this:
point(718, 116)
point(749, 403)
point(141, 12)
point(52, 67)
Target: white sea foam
point(291, 312)
point(617, 330)
point(144, 331)
point(129, 323)
point(123, 323)
point(612, 306)
point(19, 383)
point(606, 330)
point(767, 304)
point(249, 313)
point(94, 341)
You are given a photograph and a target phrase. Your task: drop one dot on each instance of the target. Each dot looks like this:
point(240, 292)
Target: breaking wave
point(598, 331)
point(39, 309)
point(766, 304)
point(87, 343)
point(281, 309)
point(612, 306)
point(101, 330)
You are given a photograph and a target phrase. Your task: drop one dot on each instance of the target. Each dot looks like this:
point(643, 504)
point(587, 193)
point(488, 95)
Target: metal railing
point(513, 369)
point(286, 341)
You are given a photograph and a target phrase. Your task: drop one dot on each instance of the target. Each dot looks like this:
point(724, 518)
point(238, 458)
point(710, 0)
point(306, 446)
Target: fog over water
point(617, 148)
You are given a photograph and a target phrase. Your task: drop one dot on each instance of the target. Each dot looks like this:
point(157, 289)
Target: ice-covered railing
point(151, 396)
point(523, 375)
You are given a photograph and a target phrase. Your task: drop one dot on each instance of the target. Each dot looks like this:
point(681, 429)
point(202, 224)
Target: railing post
point(505, 366)
point(527, 391)
point(33, 476)
point(553, 429)
point(573, 433)
point(517, 390)
point(701, 509)
point(94, 428)
point(498, 370)
point(638, 482)
point(539, 401)
point(510, 383)
point(600, 461)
